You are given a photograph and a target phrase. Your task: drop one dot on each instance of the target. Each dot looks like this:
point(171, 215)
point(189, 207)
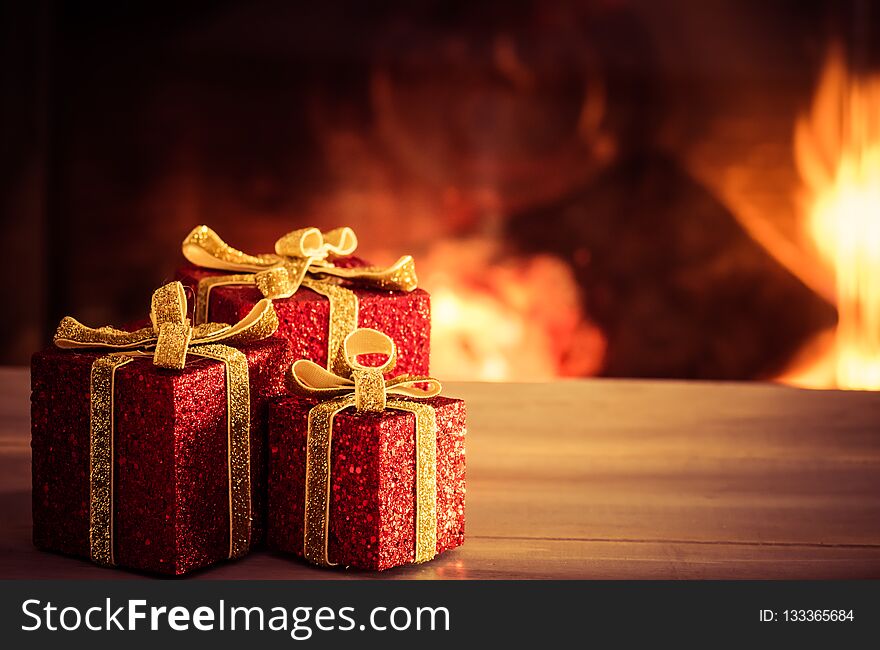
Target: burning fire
point(510, 320)
point(837, 150)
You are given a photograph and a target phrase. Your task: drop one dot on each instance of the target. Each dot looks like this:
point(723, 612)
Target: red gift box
point(304, 318)
point(372, 482)
point(171, 498)
point(321, 293)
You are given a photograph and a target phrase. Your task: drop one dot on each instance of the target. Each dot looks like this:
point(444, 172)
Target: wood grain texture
point(602, 479)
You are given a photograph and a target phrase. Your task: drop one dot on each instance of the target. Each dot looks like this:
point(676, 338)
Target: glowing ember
point(511, 320)
point(838, 153)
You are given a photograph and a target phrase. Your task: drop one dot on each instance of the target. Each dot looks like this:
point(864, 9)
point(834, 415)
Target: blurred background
point(623, 188)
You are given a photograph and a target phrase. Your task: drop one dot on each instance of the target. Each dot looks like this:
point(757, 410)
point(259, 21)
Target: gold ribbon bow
point(167, 341)
point(367, 390)
point(302, 258)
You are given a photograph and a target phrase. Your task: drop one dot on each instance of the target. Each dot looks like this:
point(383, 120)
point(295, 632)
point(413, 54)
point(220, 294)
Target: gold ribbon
point(365, 388)
point(167, 342)
point(302, 258)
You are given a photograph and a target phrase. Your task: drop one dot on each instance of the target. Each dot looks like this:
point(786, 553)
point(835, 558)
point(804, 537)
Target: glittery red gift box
point(304, 317)
point(372, 498)
point(171, 498)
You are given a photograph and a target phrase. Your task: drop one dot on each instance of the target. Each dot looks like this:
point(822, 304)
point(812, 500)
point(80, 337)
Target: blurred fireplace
point(604, 187)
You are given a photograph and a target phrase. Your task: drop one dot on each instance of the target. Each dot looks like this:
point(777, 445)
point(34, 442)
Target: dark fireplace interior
point(617, 188)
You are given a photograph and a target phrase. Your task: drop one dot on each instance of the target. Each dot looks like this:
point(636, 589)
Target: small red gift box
point(372, 506)
point(304, 318)
point(356, 483)
point(171, 501)
point(169, 453)
point(321, 293)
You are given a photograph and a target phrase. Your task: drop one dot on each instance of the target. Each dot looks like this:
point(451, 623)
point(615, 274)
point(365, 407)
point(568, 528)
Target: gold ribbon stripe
point(238, 425)
point(101, 463)
point(343, 321)
point(317, 508)
point(426, 476)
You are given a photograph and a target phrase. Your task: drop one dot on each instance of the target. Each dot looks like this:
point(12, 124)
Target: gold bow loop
point(314, 244)
point(171, 334)
point(367, 383)
point(303, 252)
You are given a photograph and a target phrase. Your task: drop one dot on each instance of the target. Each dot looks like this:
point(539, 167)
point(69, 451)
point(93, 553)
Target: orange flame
point(501, 319)
point(837, 150)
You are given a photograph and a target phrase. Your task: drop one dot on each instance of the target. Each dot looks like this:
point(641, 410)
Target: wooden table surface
point(601, 479)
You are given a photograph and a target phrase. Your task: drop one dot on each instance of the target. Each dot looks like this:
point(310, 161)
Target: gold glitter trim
point(426, 477)
point(317, 506)
point(171, 335)
point(168, 305)
point(238, 418)
point(365, 388)
point(203, 247)
point(101, 445)
point(282, 281)
point(343, 321)
point(73, 334)
point(171, 345)
point(400, 276)
point(369, 390)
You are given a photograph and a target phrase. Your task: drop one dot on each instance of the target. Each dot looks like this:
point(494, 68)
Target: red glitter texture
point(304, 317)
point(372, 491)
point(171, 508)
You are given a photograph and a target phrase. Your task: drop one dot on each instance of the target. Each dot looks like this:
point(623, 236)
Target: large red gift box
point(372, 486)
point(304, 318)
point(171, 500)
